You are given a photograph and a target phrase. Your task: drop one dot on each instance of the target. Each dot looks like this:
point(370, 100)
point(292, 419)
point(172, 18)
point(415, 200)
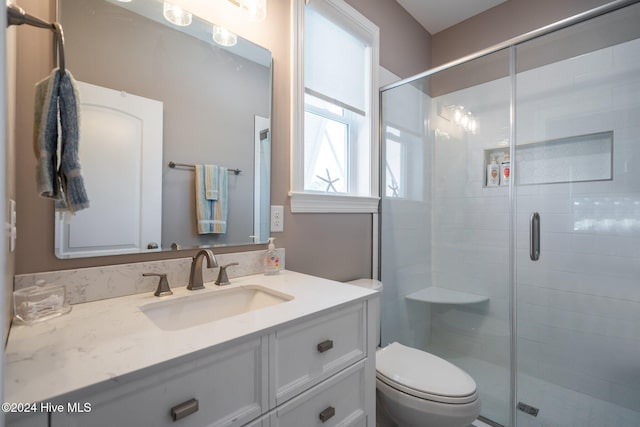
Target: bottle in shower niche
point(493, 173)
point(271, 259)
point(505, 169)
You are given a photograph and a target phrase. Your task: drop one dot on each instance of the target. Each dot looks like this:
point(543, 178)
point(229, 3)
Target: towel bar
point(173, 165)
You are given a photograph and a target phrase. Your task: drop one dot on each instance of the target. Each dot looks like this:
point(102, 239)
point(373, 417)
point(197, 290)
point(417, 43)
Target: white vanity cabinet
point(230, 387)
point(316, 369)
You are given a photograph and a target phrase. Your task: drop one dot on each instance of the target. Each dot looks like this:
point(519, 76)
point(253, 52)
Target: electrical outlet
point(277, 219)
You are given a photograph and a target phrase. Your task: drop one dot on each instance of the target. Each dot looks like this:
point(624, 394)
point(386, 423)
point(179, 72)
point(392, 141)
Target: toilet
point(418, 389)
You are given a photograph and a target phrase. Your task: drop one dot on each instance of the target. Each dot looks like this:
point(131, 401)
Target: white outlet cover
point(277, 218)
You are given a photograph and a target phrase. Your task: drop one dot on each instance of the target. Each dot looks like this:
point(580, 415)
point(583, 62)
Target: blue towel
point(211, 181)
point(57, 104)
point(211, 215)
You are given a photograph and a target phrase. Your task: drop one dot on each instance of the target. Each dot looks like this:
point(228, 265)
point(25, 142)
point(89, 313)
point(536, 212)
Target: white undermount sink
point(199, 308)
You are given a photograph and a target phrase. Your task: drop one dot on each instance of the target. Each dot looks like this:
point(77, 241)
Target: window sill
point(332, 203)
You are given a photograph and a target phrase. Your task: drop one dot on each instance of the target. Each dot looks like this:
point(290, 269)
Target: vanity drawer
point(337, 401)
point(312, 351)
point(230, 386)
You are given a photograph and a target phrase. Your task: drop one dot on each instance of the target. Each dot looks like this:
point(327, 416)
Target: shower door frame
point(511, 45)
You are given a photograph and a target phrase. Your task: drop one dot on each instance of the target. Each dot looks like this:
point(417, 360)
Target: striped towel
point(211, 182)
point(211, 215)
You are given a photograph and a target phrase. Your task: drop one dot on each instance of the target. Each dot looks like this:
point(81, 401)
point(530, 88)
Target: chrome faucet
point(195, 278)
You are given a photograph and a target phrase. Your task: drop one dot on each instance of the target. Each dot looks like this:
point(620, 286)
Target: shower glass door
point(577, 199)
point(444, 231)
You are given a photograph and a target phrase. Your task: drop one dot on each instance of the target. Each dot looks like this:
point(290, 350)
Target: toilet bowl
point(418, 389)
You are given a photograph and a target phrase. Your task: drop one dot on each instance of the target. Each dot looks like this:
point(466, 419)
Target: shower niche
point(579, 158)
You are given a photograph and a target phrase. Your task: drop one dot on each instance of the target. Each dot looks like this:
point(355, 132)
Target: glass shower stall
point(510, 220)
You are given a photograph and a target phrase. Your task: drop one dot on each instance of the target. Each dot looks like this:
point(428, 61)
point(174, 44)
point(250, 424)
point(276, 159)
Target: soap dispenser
point(271, 259)
point(505, 169)
point(493, 173)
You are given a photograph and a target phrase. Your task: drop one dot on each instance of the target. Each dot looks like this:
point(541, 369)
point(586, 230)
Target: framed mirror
point(159, 100)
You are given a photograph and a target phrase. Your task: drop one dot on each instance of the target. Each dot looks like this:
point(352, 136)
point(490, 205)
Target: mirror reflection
point(155, 93)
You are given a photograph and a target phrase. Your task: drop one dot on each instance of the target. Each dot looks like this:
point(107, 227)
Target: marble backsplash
point(97, 283)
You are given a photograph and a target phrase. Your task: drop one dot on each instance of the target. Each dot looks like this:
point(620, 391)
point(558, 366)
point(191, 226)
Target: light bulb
point(464, 121)
point(256, 9)
point(457, 115)
point(224, 37)
point(473, 125)
point(176, 15)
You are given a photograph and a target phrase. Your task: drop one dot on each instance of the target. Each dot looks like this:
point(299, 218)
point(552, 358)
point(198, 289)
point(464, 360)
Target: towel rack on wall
point(17, 16)
point(173, 165)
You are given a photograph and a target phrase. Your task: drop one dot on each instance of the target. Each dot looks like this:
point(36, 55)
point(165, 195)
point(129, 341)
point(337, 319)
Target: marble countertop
point(103, 340)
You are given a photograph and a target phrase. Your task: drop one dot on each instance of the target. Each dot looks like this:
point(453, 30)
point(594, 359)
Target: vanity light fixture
point(255, 9)
point(176, 15)
point(224, 37)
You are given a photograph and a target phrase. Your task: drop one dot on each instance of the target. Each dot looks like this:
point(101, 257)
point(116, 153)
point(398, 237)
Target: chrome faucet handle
point(223, 279)
point(196, 280)
point(163, 288)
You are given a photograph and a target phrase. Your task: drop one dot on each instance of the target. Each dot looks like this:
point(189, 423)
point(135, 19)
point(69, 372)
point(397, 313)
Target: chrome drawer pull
point(327, 414)
point(325, 345)
point(182, 410)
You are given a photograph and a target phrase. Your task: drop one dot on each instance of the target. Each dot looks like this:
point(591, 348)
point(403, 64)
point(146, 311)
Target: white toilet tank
point(375, 285)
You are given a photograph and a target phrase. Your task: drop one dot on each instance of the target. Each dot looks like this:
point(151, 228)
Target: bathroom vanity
point(301, 354)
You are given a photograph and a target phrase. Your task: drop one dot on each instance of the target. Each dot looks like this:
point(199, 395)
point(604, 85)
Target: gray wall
point(210, 98)
point(505, 21)
point(405, 46)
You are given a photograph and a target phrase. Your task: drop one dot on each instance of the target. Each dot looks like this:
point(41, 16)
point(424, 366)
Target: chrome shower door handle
point(534, 237)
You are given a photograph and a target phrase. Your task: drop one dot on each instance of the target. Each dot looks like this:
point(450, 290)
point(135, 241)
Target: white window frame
point(307, 201)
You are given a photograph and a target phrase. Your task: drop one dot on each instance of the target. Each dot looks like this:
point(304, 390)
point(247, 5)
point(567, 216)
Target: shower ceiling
point(437, 15)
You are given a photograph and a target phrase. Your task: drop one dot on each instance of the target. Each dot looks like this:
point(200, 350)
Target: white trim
point(375, 247)
point(307, 202)
point(304, 202)
point(297, 95)
point(333, 101)
point(374, 103)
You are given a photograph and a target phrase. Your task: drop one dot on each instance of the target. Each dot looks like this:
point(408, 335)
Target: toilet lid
point(424, 375)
